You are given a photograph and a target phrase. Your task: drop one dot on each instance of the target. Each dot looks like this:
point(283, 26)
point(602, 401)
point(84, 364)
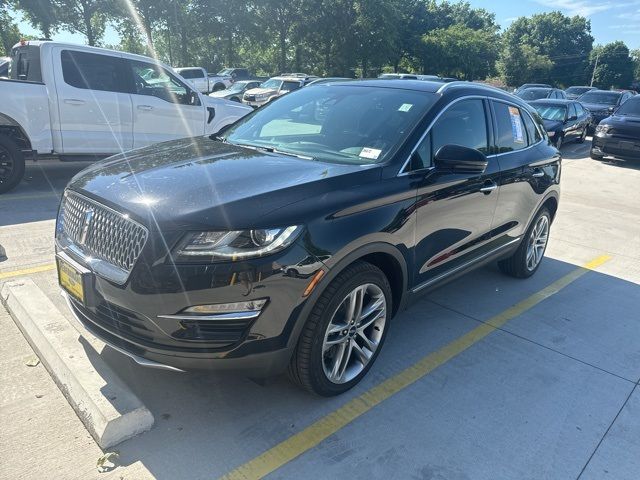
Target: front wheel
point(582, 137)
point(344, 332)
point(559, 141)
point(528, 257)
point(11, 164)
point(595, 156)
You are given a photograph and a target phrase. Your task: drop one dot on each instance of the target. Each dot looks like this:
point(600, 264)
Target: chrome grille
point(101, 232)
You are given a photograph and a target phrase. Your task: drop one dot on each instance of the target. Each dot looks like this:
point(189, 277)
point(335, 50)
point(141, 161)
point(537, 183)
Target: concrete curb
point(110, 411)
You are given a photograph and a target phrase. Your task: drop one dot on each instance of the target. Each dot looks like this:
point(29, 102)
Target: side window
point(510, 128)
point(423, 157)
point(155, 81)
point(572, 110)
point(579, 109)
point(532, 132)
point(93, 72)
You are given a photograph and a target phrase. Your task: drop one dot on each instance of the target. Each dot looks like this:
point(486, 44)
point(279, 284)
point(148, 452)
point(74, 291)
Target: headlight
point(602, 129)
point(551, 134)
point(235, 244)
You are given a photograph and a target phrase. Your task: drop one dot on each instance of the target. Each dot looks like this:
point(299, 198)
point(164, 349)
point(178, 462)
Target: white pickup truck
point(74, 102)
point(202, 81)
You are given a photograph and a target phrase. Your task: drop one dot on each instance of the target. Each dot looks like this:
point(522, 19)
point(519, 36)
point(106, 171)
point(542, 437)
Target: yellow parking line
point(311, 436)
point(27, 271)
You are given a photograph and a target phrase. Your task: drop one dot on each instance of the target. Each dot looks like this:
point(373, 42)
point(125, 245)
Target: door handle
point(146, 108)
point(537, 173)
point(74, 101)
point(488, 187)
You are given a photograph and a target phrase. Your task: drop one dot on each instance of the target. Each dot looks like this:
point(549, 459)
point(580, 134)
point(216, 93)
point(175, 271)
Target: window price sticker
point(372, 153)
point(516, 125)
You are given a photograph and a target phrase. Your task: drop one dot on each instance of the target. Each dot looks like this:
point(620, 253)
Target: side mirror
point(458, 159)
point(572, 118)
point(611, 109)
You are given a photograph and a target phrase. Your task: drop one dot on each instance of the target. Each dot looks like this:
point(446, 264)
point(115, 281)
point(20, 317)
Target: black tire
point(559, 141)
point(595, 156)
point(236, 99)
point(516, 264)
point(306, 365)
point(218, 86)
point(582, 137)
point(11, 164)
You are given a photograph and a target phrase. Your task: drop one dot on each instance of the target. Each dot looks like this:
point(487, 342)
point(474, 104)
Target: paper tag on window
point(372, 153)
point(405, 107)
point(516, 125)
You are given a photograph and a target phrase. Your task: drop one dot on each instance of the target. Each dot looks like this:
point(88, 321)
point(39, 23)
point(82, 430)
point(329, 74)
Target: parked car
point(197, 77)
point(564, 120)
point(271, 89)
point(385, 195)
point(539, 93)
point(236, 90)
point(619, 134)
point(4, 66)
point(601, 104)
point(227, 76)
point(531, 85)
point(77, 103)
point(575, 91)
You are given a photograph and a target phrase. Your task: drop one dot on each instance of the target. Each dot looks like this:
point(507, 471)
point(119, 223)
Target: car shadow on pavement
point(37, 197)
point(630, 164)
point(576, 151)
point(545, 369)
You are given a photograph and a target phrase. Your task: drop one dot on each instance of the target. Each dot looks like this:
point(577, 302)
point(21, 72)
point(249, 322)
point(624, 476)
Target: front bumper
point(131, 317)
point(615, 146)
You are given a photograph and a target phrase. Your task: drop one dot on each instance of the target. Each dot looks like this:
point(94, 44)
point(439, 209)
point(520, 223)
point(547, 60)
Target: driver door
point(164, 107)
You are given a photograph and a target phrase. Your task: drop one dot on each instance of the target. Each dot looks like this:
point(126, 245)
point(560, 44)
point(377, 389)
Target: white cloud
point(586, 8)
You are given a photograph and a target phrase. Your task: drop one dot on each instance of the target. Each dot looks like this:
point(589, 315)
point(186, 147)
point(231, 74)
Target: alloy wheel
point(537, 242)
point(354, 333)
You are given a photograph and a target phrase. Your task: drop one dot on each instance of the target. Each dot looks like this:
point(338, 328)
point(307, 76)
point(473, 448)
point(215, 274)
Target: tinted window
point(155, 81)
point(534, 93)
point(632, 107)
point(464, 123)
point(192, 73)
point(290, 86)
point(601, 98)
point(579, 109)
point(93, 72)
point(511, 132)
point(572, 110)
point(532, 132)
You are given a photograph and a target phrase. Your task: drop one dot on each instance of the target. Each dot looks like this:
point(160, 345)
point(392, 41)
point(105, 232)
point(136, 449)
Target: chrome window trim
point(402, 171)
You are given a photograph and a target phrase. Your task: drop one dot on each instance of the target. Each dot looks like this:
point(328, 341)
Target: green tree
point(41, 14)
point(460, 51)
point(9, 33)
point(615, 66)
point(87, 17)
point(635, 55)
point(565, 41)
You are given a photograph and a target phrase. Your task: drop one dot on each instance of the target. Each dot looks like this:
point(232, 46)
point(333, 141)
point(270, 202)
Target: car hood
point(258, 91)
point(628, 125)
point(199, 183)
point(222, 93)
point(552, 125)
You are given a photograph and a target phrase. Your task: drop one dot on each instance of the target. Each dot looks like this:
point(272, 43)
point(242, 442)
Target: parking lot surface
point(485, 378)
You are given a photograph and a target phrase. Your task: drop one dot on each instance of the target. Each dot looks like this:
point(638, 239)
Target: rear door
point(454, 211)
point(525, 174)
point(94, 103)
point(164, 107)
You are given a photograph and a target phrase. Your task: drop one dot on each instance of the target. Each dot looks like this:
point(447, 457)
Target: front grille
point(101, 232)
point(117, 319)
point(219, 331)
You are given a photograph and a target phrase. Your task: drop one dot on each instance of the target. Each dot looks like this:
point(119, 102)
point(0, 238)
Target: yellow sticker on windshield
point(516, 125)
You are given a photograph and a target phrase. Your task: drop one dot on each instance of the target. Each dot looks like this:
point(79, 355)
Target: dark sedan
point(564, 120)
point(575, 91)
point(531, 94)
point(619, 135)
point(291, 239)
point(602, 103)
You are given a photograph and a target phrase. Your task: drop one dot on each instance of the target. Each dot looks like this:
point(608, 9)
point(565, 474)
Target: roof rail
point(460, 83)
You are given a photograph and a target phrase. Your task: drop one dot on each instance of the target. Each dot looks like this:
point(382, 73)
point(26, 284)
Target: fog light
point(250, 306)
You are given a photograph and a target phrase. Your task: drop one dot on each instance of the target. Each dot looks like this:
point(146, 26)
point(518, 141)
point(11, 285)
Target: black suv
point(292, 238)
point(619, 135)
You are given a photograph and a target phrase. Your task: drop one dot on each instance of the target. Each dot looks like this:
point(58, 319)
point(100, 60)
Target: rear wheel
point(528, 257)
point(218, 86)
point(344, 332)
point(11, 164)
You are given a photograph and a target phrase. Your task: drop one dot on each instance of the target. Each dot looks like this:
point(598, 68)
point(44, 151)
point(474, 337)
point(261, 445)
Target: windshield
point(534, 93)
point(600, 98)
point(343, 124)
point(577, 90)
point(271, 83)
point(630, 107)
point(225, 72)
point(237, 87)
point(552, 112)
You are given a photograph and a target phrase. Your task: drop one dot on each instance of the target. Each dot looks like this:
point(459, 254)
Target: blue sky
point(610, 19)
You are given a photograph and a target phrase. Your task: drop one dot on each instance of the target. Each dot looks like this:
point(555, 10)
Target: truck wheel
point(218, 86)
point(344, 331)
point(11, 164)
